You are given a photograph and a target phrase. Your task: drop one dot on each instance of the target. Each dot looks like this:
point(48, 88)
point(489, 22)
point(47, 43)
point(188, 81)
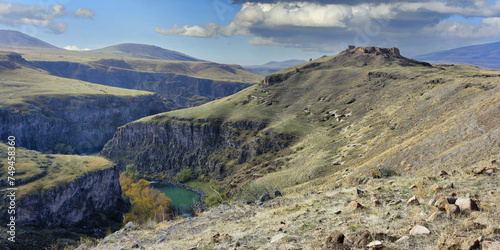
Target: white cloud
point(75, 48)
point(85, 13)
point(264, 41)
point(301, 14)
point(16, 15)
point(488, 27)
point(207, 30)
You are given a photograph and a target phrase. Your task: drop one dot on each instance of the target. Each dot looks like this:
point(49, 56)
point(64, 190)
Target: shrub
point(185, 175)
point(131, 171)
point(147, 203)
point(383, 173)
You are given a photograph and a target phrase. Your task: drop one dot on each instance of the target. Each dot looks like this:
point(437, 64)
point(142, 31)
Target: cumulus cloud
point(85, 13)
point(16, 15)
point(323, 25)
point(75, 48)
point(488, 27)
point(210, 29)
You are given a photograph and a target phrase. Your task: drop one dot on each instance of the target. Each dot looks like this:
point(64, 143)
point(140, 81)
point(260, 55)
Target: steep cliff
point(49, 113)
point(71, 204)
point(167, 146)
point(185, 83)
point(58, 196)
point(72, 124)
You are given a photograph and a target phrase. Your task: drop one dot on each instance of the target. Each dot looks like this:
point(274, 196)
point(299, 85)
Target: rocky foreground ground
point(448, 209)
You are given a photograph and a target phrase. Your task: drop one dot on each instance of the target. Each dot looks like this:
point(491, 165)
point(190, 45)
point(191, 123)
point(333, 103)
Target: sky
point(257, 31)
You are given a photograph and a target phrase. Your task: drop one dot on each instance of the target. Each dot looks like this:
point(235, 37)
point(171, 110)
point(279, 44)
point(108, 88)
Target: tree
point(147, 203)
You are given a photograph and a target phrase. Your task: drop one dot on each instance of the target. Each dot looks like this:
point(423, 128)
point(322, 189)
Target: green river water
point(182, 199)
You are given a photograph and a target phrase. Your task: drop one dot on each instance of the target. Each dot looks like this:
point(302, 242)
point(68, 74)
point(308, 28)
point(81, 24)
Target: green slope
point(364, 109)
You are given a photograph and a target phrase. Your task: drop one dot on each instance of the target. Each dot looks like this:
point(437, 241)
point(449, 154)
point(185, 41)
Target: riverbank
point(197, 207)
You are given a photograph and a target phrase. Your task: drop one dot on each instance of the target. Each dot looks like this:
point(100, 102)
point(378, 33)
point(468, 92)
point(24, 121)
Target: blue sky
point(257, 31)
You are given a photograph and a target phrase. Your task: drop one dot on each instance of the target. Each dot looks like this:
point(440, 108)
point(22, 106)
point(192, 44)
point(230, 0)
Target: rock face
point(74, 124)
point(181, 89)
point(169, 146)
point(76, 202)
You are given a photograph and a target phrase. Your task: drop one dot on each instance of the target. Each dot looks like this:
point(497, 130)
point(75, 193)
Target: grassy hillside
point(36, 172)
point(360, 111)
point(21, 83)
point(145, 52)
point(10, 39)
point(369, 130)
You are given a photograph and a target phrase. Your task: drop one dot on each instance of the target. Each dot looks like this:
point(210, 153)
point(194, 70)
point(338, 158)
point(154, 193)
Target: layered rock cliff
point(69, 124)
point(182, 89)
point(167, 146)
point(77, 202)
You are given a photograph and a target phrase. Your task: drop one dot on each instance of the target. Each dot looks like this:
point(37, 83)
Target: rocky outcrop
point(171, 145)
point(74, 124)
point(10, 60)
point(77, 202)
point(182, 89)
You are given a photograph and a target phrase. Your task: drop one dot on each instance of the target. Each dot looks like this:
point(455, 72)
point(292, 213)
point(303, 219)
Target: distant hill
point(272, 66)
point(144, 51)
point(10, 39)
point(482, 55)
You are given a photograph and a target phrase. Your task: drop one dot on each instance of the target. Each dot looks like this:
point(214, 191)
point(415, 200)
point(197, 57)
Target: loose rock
point(419, 230)
point(413, 201)
point(277, 193)
point(436, 187)
point(403, 240)
point(436, 215)
point(355, 205)
point(375, 244)
point(452, 209)
point(490, 245)
point(466, 204)
point(265, 197)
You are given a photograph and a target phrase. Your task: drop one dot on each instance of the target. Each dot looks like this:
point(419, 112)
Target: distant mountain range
point(482, 55)
point(15, 40)
point(272, 67)
point(144, 51)
point(10, 39)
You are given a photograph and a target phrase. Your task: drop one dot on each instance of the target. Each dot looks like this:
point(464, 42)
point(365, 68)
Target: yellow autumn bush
point(147, 203)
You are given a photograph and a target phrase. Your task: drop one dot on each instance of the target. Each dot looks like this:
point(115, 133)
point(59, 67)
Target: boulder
point(466, 204)
point(490, 245)
point(436, 215)
point(355, 205)
point(277, 193)
point(452, 209)
point(413, 201)
point(375, 244)
point(265, 197)
point(419, 230)
point(441, 204)
point(363, 240)
point(335, 241)
point(455, 242)
point(436, 188)
point(403, 240)
point(277, 237)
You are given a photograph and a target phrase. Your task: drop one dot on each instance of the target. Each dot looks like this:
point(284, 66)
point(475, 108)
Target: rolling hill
point(144, 51)
point(184, 80)
point(53, 114)
point(15, 40)
point(348, 140)
point(483, 55)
